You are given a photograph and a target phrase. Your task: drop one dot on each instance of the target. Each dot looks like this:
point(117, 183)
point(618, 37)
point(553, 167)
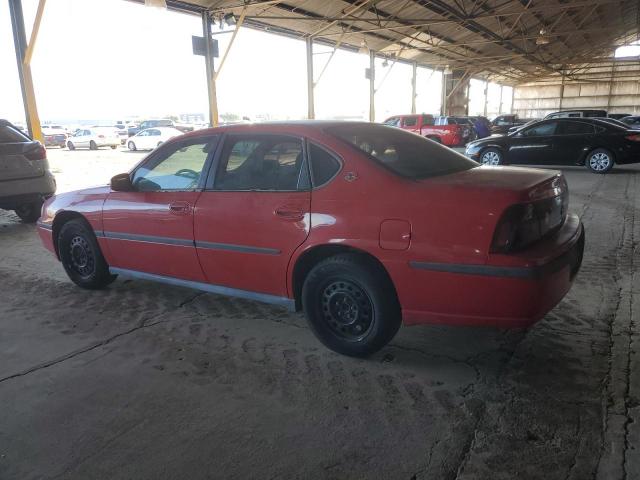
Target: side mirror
point(121, 183)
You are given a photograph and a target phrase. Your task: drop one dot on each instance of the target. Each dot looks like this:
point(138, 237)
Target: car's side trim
point(237, 248)
point(186, 242)
point(148, 238)
point(207, 287)
point(571, 258)
point(486, 270)
point(46, 226)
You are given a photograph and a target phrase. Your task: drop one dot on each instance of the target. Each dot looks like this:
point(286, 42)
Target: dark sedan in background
point(563, 141)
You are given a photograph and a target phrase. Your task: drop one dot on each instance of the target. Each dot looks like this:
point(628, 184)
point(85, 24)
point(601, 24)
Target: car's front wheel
point(29, 212)
point(71, 146)
point(113, 147)
point(491, 156)
point(351, 305)
point(600, 160)
point(93, 145)
point(81, 256)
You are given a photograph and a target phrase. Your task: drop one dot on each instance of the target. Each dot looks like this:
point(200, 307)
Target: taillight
point(525, 223)
point(634, 138)
point(38, 153)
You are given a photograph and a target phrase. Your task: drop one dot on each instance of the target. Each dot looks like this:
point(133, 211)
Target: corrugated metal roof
point(512, 41)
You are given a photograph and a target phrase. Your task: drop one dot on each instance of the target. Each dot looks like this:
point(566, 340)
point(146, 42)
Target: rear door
point(533, 145)
point(150, 230)
point(254, 212)
point(571, 140)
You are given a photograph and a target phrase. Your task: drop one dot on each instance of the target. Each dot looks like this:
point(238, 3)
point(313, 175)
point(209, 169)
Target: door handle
point(289, 213)
point(180, 208)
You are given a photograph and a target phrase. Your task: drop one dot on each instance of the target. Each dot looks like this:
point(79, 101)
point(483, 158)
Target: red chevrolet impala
point(362, 226)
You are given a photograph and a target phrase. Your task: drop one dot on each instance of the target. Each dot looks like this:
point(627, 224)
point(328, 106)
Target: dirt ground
point(145, 381)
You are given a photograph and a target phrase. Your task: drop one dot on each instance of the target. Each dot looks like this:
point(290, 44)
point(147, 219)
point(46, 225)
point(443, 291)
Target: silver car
point(25, 178)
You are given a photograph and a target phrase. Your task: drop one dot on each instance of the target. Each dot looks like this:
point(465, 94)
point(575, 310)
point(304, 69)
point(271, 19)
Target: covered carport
point(150, 381)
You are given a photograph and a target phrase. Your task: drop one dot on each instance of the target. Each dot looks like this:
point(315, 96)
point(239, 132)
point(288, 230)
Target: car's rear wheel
point(491, 156)
point(92, 145)
point(600, 160)
point(132, 146)
point(81, 256)
point(351, 305)
point(71, 146)
point(113, 147)
point(29, 212)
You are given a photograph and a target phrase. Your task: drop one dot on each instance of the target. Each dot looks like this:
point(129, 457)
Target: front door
point(151, 229)
point(533, 145)
point(254, 213)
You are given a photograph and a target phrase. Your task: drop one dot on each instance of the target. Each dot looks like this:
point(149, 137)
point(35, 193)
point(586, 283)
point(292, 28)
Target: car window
point(576, 128)
point(261, 162)
point(406, 154)
point(11, 135)
point(177, 168)
point(541, 130)
point(410, 121)
point(155, 132)
point(427, 120)
point(324, 165)
point(393, 122)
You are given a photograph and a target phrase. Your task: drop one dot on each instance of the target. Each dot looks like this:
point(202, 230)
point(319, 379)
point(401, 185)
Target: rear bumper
point(508, 291)
point(14, 193)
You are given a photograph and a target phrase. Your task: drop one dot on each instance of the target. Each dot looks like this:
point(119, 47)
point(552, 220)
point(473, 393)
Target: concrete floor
point(144, 381)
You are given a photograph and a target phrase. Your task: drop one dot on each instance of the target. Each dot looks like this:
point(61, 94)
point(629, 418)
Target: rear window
point(11, 135)
point(406, 154)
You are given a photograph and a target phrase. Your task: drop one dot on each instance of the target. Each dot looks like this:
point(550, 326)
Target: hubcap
point(81, 256)
point(491, 158)
point(347, 310)
point(599, 161)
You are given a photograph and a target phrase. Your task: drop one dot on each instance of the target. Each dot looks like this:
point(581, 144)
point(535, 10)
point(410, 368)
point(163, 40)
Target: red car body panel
point(252, 241)
point(451, 135)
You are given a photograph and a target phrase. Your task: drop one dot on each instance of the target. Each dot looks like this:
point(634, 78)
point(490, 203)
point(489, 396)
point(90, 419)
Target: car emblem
point(351, 176)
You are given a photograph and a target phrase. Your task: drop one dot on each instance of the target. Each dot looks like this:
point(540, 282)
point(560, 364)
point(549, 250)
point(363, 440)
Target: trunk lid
point(22, 160)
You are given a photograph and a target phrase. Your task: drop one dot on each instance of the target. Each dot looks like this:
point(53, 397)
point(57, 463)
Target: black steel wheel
point(81, 256)
point(351, 304)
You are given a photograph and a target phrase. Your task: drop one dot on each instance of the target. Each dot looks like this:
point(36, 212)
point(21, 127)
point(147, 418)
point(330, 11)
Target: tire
point(92, 145)
point(71, 146)
point(113, 147)
point(599, 160)
point(81, 256)
point(491, 156)
point(29, 212)
point(351, 305)
point(132, 146)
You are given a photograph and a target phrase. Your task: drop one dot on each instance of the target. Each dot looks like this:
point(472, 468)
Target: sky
point(109, 60)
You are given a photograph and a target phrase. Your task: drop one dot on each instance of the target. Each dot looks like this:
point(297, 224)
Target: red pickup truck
point(450, 131)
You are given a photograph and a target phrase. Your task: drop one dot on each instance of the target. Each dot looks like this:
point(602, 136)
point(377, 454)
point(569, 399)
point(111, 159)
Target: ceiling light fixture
point(542, 39)
point(364, 48)
point(447, 70)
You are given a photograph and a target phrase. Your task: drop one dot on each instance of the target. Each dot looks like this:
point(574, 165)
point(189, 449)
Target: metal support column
point(24, 67)
point(443, 95)
point(561, 93)
point(613, 76)
point(211, 73)
point(500, 105)
point(486, 97)
point(414, 93)
point(372, 86)
point(311, 112)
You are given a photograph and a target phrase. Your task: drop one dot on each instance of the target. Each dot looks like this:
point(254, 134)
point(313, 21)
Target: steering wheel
point(187, 172)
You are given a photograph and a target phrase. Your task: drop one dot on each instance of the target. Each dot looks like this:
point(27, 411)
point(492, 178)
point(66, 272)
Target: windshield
point(404, 153)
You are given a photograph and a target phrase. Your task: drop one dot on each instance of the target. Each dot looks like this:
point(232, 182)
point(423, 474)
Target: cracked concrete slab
point(149, 381)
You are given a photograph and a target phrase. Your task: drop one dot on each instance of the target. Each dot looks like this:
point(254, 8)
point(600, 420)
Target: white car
point(150, 138)
point(94, 138)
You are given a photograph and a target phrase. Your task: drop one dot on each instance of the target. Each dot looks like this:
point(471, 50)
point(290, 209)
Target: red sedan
point(361, 225)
